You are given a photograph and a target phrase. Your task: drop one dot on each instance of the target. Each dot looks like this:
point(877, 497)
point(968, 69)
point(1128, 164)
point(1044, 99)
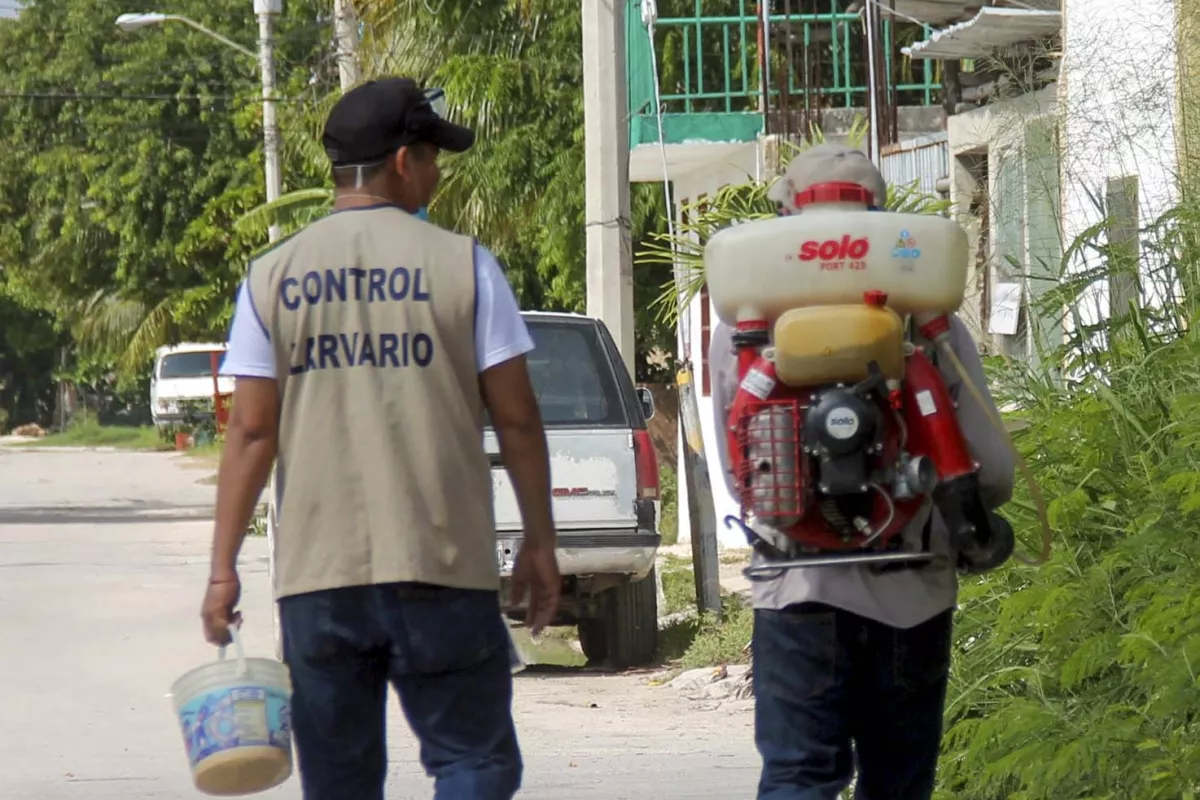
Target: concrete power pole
point(266, 10)
point(345, 26)
point(606, 137)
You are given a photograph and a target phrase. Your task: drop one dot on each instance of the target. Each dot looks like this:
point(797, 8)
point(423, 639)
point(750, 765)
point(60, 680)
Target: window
point(189, 365)
point(571, 375)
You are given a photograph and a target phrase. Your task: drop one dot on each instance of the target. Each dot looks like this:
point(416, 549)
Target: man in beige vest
point(368, 348)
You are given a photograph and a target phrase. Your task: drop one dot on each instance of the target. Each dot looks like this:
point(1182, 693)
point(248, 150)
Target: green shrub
point(1079, 679)
point(668, 520)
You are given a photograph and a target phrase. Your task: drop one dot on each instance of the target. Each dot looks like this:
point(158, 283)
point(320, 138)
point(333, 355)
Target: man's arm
point(988, 446)
point(251, 441)
point(501, 342)
point(513, 408)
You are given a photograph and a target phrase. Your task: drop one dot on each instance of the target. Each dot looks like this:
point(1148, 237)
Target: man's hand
point(218, 611)
point(535, 572)
point(250, 443)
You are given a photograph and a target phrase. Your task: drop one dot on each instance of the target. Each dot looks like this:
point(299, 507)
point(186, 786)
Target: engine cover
point(841, 431)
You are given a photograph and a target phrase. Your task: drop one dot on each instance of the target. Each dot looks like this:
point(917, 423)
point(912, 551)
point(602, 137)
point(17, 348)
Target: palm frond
point(291, 211)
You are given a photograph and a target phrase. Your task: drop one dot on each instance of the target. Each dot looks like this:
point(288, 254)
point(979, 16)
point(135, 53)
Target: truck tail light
point(647, 466)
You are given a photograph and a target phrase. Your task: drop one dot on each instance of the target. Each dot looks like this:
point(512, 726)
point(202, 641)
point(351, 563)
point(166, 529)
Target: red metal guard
point(771, 470)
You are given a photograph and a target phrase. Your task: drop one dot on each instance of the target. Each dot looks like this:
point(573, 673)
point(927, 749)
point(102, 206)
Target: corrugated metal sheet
point(925, 160)
point(931, 12)
point(989, 30)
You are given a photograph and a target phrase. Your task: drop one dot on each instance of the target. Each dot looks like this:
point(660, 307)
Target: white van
point(183, 375)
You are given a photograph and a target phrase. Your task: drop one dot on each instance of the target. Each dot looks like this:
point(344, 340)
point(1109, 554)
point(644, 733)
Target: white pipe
point(649, 17)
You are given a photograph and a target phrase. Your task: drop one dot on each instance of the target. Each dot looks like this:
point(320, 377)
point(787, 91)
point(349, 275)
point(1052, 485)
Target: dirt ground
point(102, 561)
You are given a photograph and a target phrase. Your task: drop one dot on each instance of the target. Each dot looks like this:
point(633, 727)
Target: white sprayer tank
point(832, 252)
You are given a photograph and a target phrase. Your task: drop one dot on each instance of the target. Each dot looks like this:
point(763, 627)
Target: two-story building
point(1075, 127)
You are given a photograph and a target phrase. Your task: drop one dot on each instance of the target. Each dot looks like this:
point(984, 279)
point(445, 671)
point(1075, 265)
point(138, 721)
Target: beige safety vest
point(382, 472)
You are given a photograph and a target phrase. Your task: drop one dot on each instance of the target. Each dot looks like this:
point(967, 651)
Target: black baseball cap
point(372, 121)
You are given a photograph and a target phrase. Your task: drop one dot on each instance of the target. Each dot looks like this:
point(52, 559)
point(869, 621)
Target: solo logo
point(837, 250)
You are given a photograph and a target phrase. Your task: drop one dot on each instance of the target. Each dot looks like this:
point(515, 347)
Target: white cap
point(827, 163)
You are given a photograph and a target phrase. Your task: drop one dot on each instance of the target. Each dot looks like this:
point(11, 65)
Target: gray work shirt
point(901, 598)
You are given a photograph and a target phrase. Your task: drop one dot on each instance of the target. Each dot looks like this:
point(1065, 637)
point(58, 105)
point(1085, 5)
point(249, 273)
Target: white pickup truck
point(604, 478)
point(605, 487)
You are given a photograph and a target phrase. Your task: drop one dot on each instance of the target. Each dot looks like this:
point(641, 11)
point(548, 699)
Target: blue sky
point(8, 8)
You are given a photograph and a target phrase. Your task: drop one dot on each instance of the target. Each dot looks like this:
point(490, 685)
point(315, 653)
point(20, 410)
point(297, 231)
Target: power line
point(160, 98)
point(93, 96)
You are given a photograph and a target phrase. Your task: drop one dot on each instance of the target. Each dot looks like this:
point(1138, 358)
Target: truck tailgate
point(593, 481)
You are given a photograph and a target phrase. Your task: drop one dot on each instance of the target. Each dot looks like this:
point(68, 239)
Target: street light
point(265, 10)
point(131, 22)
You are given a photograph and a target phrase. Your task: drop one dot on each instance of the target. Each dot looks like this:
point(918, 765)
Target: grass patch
point(207, 452)
point(701, 641)
point(90, 433)
point(258, 526)
point(668, 517)
point(675, 639)
point(707, 642)
point(679, 584)
point(735, 558)
point(722, 642)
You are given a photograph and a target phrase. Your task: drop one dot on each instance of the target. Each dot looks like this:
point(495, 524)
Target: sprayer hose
point(1035, 491)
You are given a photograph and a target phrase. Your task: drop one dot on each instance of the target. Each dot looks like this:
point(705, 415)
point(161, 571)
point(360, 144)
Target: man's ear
point(400, 160)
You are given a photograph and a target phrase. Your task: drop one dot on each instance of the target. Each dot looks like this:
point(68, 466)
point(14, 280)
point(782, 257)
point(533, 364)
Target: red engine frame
point(930, 429)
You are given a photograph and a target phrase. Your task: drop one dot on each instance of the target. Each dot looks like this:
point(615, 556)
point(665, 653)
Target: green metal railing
point(711, 63)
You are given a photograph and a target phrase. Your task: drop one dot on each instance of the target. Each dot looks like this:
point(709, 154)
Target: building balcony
point(728, 75)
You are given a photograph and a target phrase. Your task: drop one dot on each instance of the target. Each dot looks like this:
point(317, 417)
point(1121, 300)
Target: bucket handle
point(242, 668)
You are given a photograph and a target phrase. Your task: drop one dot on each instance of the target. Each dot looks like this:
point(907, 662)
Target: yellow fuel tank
point(834, 344)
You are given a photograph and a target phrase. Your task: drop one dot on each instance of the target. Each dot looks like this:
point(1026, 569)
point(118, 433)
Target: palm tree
point(511, 71)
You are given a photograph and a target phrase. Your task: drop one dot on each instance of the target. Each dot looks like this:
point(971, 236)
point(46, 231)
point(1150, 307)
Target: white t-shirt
point(500, 331)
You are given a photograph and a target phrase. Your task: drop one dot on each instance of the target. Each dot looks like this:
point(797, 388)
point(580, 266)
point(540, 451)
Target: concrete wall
point(984, 142)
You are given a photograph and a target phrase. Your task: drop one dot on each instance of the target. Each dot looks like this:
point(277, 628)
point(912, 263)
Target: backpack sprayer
point(842, 428)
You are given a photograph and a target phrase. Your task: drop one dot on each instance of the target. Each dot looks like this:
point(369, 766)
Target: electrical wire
point(649, 18)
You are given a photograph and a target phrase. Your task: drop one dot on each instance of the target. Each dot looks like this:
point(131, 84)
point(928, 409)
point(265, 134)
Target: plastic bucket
point(236, 721)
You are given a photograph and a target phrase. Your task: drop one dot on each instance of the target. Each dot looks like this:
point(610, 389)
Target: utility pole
point(266, 10)
point(606, 149)
point(345, 27)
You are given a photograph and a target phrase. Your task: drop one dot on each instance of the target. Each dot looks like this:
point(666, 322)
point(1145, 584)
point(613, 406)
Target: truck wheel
point(592, 641)
point(629, 617)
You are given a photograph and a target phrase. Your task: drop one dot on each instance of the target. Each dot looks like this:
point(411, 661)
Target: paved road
point(102, 557)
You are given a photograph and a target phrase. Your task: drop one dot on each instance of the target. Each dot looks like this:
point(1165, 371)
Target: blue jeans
point(445, 651)
point(835, 691)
